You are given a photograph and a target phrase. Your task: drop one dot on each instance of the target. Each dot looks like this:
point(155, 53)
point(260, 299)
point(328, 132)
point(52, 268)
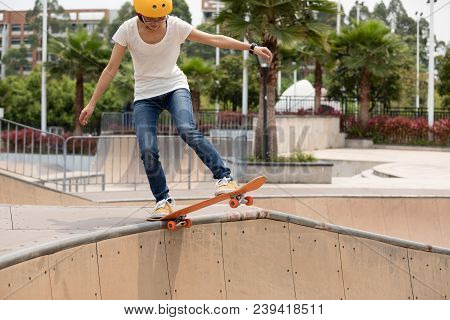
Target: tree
point(444, 80)
point(15, 60)
point(366, 54)
point(57, 20)
point(125, 12)
point(20, 99)
point(364, 14)
point(320, 56)
point(380, 12)
point(20, 96)
point(207, 53)
point(404, 25)
point(227, 83)
point(181, 10)
point(198, 73)
point(81, 56)
point(272, 23)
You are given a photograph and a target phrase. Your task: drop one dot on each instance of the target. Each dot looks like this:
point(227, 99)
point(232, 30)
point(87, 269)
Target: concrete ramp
point(20, 190)
point(256, 254)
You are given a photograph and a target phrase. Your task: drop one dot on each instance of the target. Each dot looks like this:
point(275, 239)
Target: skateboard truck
point(180, 221)
point(240, 199)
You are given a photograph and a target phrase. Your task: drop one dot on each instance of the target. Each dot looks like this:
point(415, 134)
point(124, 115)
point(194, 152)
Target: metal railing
point(350, 107)
point(411, 113)
point(305, 105)
point(98, 163)
point(30, 152)
point(123, 123)
point(381, 110)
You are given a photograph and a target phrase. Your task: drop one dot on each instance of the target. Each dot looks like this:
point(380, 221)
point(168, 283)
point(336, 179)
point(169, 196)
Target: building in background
point(209, 8)
point(16, 31)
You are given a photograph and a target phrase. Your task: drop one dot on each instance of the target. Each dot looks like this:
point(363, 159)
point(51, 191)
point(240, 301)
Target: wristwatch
point(252, 47)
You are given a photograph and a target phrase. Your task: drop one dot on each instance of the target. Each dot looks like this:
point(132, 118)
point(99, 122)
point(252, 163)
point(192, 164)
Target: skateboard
point(236, 198)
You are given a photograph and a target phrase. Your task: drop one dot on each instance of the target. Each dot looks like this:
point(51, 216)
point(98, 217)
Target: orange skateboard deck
point(237, 197)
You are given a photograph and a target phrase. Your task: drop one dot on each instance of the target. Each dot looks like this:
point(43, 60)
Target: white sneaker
point(163, 208)
point(225, 185)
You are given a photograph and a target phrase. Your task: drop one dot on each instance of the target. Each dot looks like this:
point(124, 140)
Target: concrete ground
point(408, 164)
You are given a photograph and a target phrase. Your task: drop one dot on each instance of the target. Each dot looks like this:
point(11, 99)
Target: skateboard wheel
point(234, 203)
point(248, 201)
point(188, 223)
point(171, 225)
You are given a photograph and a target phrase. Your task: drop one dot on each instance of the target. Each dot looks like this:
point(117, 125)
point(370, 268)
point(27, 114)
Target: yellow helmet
point(153, 8)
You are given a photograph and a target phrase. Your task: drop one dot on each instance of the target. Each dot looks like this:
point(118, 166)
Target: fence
point(98, 163)
point(350, 107)
point(305, 105)
point(30, 152)
point(380, 110)
point(412, 113)
point(123, 123)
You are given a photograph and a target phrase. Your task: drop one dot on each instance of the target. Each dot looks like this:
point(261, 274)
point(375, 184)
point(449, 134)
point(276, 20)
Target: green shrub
point(298, 156)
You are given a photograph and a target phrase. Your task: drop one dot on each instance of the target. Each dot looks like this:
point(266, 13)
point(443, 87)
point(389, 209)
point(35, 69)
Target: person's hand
point(86, 114)
point(264, 52)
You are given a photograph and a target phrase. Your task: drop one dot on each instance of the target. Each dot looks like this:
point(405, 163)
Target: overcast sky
point(441, 17)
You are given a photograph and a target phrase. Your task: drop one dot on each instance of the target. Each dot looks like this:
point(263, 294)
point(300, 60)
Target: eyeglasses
point(154, 20)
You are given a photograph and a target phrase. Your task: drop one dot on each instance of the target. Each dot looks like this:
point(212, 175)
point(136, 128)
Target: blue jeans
point(179, 104)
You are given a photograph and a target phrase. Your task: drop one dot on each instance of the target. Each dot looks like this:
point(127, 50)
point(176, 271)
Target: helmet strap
point(142, 19)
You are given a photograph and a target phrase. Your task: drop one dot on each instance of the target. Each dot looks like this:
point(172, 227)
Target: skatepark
point(292, 244)
point(329, 112)
point(379, 230)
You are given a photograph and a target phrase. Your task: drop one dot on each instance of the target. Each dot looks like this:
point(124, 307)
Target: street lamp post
point(217, 2)
point(44, 61)
point(418, 62)
point(4, 49)
point(338, 21)
point(279, 82)
point(264, 66)
point(245, 82)
point(359, 4)
point(217, 32)
point(294, 76)
point(430, 106)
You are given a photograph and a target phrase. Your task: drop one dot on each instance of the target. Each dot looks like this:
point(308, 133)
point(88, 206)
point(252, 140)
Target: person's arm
point(106, 78)
point(225, 42)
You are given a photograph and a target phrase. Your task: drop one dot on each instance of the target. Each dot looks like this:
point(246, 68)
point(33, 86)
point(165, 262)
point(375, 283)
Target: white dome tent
point(300, 95)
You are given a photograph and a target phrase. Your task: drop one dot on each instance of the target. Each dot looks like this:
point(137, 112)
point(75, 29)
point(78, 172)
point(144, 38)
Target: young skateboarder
point(154, 38)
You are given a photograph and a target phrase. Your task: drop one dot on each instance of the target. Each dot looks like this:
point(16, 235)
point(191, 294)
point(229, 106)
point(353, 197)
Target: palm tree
point(320, 56)
point(271, 24)
point(197, 71)
point(227, 84)
point(81, 56)
point(369, 51)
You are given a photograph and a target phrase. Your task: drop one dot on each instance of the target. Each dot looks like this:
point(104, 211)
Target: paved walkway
point(422, 165)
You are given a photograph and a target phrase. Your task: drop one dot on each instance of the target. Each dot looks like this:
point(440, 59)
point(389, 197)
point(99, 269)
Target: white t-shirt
point(155, 65)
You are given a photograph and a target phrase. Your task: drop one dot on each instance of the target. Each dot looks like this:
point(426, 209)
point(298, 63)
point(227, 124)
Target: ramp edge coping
point(26, 254)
